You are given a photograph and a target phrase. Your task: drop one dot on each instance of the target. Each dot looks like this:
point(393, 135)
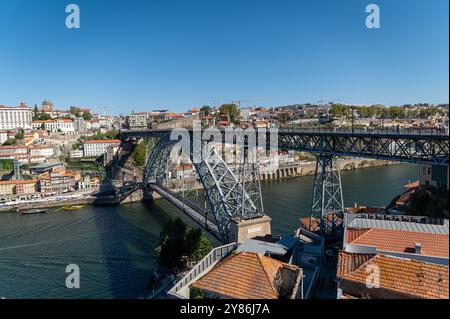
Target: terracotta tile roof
point(42, 121)
point(244, 276)
point(353, 233)
point(348, 262)
point(314, 223)
point(411, 277)
point(8, 147)
point(101, 141)
point(402, 241)
point(21, 182)
point(310, 224)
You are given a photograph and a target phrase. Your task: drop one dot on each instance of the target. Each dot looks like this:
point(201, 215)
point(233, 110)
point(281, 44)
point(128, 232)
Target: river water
point(113, 246)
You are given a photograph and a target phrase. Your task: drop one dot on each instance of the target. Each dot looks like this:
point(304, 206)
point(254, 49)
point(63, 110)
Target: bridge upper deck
point(433, 134)
point(424, 146)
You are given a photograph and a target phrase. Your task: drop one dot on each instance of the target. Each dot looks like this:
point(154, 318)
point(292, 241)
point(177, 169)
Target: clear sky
point(143, 55)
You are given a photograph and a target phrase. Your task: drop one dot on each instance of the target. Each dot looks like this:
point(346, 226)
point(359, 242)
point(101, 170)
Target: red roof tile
point(402, 241)
point(409, 277)
point(101, 141)
point(244, 276)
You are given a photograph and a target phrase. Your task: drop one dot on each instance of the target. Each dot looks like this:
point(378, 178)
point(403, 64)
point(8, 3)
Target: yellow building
point(17, 187)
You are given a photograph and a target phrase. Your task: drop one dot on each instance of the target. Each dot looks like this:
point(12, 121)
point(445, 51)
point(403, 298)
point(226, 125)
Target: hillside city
point(47, 151)
point(53, 157)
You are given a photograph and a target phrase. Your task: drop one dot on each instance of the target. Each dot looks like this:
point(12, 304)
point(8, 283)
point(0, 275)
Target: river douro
point(113, 246)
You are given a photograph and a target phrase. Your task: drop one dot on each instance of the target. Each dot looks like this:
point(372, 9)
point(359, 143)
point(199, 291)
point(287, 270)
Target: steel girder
point(412, 148)
point(249, 179)
point(327, 202)
point(226, 196)
point(415, 149)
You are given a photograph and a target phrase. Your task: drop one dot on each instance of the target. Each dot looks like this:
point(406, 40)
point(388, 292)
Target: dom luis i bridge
point(234, 208)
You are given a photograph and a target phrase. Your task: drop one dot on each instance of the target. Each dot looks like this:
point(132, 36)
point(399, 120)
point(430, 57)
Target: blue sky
point(142, 55)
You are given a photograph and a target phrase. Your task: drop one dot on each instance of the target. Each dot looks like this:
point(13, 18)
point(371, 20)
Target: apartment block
point(15, 117)
point(95, 148)
point(17, 187)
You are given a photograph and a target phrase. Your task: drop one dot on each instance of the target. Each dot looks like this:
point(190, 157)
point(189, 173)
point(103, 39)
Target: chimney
point(418, 248)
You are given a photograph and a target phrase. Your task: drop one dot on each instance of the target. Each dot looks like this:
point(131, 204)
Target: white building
point(97, 148)
point(46, 151)
point(79, 124)
point(57, 125)
point(3, 136)
point(63, 125)
point(137, 120)
point(15, 117)
point(76, 154)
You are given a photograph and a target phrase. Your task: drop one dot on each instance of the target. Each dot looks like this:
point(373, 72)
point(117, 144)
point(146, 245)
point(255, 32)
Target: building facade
point(57, 182)
point(137, 120)
point(57, 125)
point(95, 148)
point(17, 187)
point(15, 117)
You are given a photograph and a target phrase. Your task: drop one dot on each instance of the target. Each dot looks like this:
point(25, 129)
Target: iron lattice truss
point(249, 179)
point(225, 193)
point(404, 147)
point(155, 168)
point(327, 202)
point(426, 149)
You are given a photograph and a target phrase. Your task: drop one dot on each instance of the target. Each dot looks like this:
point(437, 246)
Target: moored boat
point(32, 211)
point(73, 207)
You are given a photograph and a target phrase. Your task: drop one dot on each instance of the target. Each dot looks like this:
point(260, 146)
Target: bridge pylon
point(327, 202)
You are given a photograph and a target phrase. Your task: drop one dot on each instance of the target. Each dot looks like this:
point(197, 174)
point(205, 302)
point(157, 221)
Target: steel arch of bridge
point(226, 195)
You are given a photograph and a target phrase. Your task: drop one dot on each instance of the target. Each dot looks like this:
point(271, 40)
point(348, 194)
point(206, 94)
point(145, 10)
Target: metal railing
point(369, 131)
point(208, 261)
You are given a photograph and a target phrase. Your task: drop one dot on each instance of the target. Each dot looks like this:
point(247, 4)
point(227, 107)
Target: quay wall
point(49, 204)
point(308, 168)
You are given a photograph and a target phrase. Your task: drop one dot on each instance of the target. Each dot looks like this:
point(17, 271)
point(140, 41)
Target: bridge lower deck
point(195, 213)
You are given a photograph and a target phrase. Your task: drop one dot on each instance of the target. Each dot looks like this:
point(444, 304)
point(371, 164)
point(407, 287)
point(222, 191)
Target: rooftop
point(245, 275)
point(101, 141)
point(400, 241)
point(399, 275)
point(400, 225)
point(32, 181)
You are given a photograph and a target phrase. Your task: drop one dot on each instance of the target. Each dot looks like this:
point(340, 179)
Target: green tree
point(19, 136)
point(173, 245)
point(180, 244)
point(205, 110)
point(76, 146)
point(75, 110)
point(43, 116)
point(232, 111)
point(87, 116)
point(139, 154)
point(396, 112)
point(341, 111)
point(10, 141)
point(35, 113)
point(6, 164)
point(198, 245)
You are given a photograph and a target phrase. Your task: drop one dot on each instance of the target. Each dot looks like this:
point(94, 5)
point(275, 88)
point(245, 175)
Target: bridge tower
point(327, 202)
